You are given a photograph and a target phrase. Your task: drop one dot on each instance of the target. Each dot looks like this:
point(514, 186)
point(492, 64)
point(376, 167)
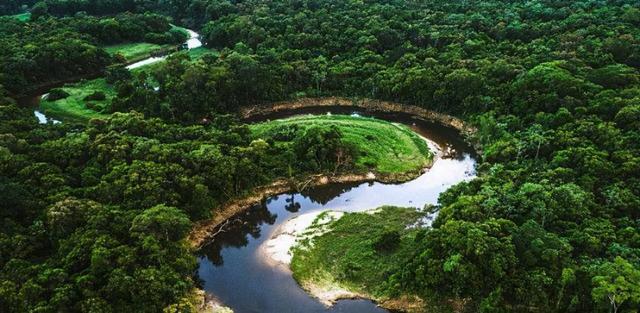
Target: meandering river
point(192, 42)
point(233, 268)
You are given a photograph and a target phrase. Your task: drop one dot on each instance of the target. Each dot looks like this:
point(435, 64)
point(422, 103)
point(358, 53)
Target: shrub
point(117, 74)
point(388, 241)
point(96, 96)
point(57, 94)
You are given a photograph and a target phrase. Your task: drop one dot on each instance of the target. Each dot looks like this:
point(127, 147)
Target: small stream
point(192, 42)
point(233, 268)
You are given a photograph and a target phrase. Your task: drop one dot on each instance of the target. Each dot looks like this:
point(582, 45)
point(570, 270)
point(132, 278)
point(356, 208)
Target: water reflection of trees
point(292, 205)
point(324, 194)
point(235, 233)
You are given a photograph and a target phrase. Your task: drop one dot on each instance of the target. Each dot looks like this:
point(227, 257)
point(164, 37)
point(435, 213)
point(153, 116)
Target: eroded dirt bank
point(360, 103)
point(203, 231)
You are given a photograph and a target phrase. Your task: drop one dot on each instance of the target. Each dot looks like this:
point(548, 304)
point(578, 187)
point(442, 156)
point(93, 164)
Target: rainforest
point(185, 156)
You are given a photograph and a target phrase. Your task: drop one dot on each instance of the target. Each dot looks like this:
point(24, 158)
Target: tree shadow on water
point(235, 232)
point(324, 194)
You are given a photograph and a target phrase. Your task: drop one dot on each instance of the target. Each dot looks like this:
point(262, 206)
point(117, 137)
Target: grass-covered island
point(357, 255)
point(318, 150)
point(377, 145)
point(136, 50)
point(79, 101)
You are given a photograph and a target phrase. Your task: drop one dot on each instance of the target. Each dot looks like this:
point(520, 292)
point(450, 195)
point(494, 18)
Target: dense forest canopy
point(94, 216)
point(513, 59)
point(48, 49)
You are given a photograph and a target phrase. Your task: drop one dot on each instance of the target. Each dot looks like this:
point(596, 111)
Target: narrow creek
point(192, 42)
point(235, 271)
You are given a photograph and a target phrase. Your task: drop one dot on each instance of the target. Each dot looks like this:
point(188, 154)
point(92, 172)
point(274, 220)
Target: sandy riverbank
point(201, 233)
point(277, 252)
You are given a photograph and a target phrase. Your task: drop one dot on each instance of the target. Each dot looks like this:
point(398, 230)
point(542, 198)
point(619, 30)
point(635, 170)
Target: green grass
point(382, 146)
point(75, 107)
point(181, 29)
point(23, 16)
point(134, 51)
point(201, 51)
point(349, 255)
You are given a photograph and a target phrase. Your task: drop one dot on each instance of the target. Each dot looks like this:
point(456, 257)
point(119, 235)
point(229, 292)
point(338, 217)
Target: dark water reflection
point(238, 232)
point(233, 269)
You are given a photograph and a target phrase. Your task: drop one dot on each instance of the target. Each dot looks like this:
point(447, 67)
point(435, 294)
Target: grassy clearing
point(23, 16)
point(383, 146)
point(359, 252)
point(134, 51)
point(75, 107)
point(197, 53)
point(180, 29)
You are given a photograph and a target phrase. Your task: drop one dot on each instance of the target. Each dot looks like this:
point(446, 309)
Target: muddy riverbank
point(368, 105)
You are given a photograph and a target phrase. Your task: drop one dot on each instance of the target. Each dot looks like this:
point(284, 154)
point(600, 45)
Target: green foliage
point(83, 100)
point(614, 76)
point(40, 9)
point(464, 258)
point(366, 143)
point(134, 51)
point(23, 17)
point(617, 283)
point(117, 74)
point(63, 217)
point(15, 7)
point(96, 216)
point(629, 117)
point(96, 96)
point(48, 50)
point(348, 253)
point(550, 225)
point(319, 147)
point(162, 223)
point(388, 241)
point(57, 94)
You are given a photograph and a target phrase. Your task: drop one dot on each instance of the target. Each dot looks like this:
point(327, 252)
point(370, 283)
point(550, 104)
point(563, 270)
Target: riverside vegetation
point(359, 252)
point(381, 146)
point(96, 180)
point(91, 223)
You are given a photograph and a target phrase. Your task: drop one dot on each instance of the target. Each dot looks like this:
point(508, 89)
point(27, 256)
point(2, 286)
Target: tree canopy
point(93, 215)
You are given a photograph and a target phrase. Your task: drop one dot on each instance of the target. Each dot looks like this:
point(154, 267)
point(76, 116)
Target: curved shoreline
point(366, 104)
point(277, 252)
point(202, 231)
